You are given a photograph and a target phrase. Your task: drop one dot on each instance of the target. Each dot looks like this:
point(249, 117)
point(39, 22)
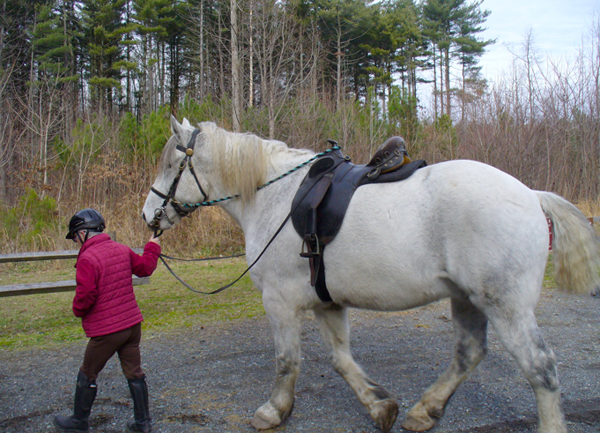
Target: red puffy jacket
point(104, 297)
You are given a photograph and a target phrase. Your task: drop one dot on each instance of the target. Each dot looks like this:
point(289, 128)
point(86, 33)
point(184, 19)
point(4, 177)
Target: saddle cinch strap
point(325, 193)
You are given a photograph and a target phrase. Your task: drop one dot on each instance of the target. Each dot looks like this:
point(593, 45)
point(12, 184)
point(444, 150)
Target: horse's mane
point(242, 160)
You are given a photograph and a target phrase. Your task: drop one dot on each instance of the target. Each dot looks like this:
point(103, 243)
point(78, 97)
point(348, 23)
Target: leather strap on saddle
point(310, 244)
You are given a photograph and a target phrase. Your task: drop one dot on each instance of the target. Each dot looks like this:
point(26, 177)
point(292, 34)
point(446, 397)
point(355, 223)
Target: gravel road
point(211, 378)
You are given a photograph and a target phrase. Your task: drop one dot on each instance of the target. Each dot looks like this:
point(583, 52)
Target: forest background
point(87, 88)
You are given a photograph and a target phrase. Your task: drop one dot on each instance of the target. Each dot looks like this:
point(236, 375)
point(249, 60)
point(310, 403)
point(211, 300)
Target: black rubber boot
point(141, 412)
point(85, 394)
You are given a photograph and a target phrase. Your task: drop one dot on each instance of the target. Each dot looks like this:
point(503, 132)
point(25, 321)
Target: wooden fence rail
point(50, 287)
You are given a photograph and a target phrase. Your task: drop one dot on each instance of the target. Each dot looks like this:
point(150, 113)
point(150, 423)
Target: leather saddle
point(320, 204)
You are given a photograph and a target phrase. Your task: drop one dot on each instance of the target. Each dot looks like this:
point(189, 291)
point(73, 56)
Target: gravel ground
point(212, 378)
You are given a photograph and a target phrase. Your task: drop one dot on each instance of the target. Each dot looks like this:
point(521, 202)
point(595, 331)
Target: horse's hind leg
point(470, 332)
point(521, 336)
point(286, 326)
point(333, 322)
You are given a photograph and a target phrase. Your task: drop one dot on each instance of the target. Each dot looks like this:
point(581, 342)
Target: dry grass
point(589, 208)
point(208, 231)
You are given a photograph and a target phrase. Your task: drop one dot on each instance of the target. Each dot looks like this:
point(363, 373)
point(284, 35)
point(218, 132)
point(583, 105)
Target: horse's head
point(202, 162)
point(181, 185)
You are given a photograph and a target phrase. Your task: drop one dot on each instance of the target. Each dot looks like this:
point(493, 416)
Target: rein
point(160, 212)
point(163, 257)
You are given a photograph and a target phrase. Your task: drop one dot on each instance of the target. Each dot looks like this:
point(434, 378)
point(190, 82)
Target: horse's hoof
point(266, 417)
point(418, 419)
point(384, 414)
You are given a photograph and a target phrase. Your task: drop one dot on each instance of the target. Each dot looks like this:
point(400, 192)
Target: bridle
point(182, 209)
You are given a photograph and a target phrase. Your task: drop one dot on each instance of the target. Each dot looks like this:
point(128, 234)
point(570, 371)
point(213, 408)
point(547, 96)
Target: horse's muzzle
point(154, 225)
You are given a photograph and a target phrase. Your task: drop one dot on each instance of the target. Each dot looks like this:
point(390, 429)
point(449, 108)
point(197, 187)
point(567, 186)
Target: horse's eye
point(169, 165)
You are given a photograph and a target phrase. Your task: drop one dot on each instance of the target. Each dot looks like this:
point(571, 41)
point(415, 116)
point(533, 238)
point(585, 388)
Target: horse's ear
point(175, 127)
point(186, 123)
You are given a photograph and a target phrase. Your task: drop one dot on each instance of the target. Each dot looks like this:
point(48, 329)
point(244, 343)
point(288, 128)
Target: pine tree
point(394, 47)
point(52, 43)
point(452, 24)
point(343, 25)
point(127, 63)
point(103, 34)
point(175, 47)
point(469, 48)
point(147, 15)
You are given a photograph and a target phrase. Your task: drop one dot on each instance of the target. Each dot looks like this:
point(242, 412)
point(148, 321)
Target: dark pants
point(100, 349)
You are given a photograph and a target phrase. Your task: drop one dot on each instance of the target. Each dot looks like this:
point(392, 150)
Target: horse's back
point(478, 202)
point(457, 225)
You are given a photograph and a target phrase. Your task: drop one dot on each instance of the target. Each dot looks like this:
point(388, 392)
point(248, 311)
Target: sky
point(558, 28)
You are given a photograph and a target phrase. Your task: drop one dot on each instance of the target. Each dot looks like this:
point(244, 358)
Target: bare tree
point(42, 113)
point(236, 88)
point(277, 49)
point(9, 135)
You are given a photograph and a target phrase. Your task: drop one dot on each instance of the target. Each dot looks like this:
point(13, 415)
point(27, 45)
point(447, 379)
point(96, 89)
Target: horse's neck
point(272, 203)
point(284, 161)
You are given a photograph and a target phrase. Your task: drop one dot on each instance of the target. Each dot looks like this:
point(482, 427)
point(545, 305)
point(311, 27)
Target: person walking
point(111, 318)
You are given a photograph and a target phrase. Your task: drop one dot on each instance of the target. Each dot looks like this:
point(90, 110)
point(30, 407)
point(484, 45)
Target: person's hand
point(155, 239)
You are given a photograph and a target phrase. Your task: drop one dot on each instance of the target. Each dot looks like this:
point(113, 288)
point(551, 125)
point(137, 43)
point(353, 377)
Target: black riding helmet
point(89, 219)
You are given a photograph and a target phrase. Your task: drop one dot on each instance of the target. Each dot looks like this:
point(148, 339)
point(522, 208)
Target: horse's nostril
point(144, 216)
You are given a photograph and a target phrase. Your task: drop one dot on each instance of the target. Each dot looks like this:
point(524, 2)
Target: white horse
point(458, 229)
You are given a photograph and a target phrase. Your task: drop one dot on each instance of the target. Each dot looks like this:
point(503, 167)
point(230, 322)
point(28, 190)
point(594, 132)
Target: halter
point(182, 209)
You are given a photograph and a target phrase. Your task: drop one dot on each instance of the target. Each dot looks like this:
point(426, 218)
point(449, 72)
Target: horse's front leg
point(333, 322)
point(286, 325)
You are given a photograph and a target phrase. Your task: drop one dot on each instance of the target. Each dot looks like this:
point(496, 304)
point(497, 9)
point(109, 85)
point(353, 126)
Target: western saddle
point(322, 199)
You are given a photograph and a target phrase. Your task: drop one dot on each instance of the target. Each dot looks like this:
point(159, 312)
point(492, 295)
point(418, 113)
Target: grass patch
point(47, 319)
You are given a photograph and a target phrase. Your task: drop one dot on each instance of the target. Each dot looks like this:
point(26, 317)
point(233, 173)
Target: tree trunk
point(202, 90)
point(251, 61)
point(338, 92)
point(2, 31)
point(442, 109)
point(464, 93)
point(221, 59)
point(448, 96)
point(339, 65)
point(435, 86)
point(235, 70)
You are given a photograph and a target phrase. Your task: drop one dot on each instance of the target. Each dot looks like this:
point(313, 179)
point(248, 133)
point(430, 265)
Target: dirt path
point(212, 378)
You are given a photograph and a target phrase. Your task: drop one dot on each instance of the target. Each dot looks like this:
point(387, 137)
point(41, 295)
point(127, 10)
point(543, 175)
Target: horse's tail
point(575, 248)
